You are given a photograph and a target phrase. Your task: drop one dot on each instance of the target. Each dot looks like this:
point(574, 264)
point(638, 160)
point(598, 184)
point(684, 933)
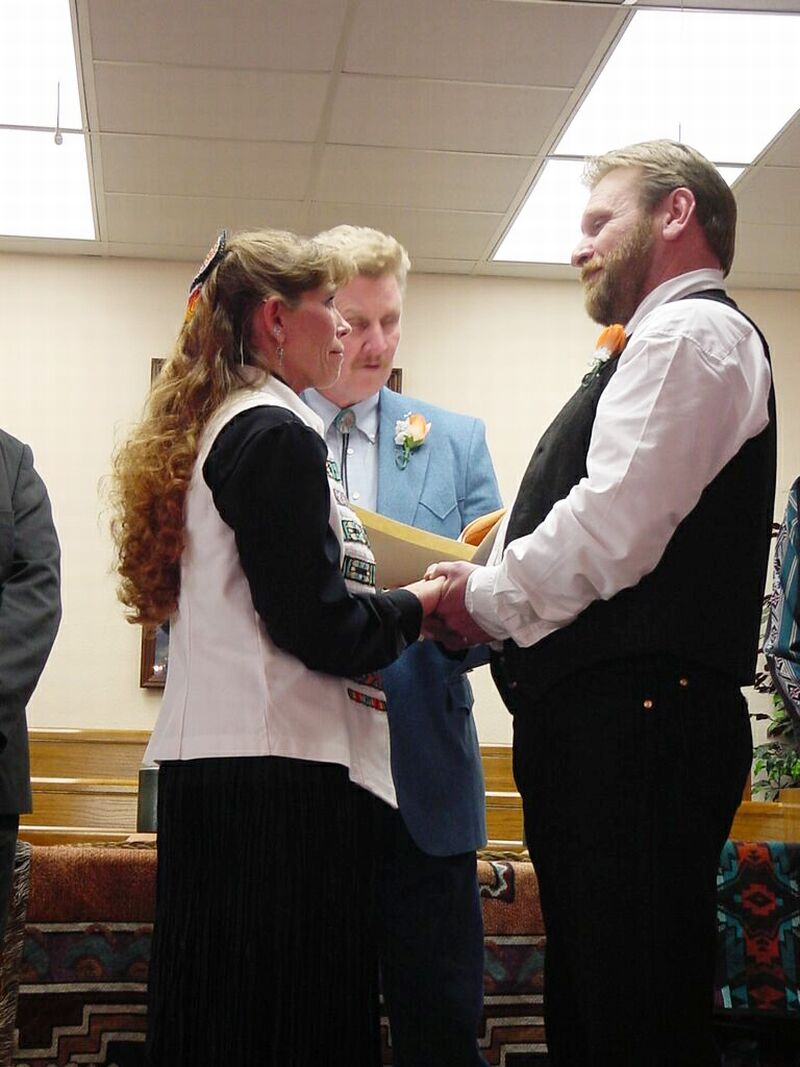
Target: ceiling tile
point(176, 220)
point(462, 116)
point(771, 196)
point(786, 150)
point(181, 166)
point(477, 40)
point(425, 234)
point(410, 178)
point(280, 35)
point(209, 115)
point(768, 249)
point(443, 266)
point(192, 102)
point(182, 253)
point(732, 5)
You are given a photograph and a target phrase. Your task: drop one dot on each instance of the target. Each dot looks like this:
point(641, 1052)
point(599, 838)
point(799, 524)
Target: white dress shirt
point(691, 387)
point(362, 445)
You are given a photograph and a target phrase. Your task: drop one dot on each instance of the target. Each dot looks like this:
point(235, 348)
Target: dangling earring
point(241, 351)
point(280, 357)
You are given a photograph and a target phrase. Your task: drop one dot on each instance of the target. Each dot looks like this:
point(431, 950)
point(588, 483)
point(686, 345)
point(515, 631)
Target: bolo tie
point(344, 423)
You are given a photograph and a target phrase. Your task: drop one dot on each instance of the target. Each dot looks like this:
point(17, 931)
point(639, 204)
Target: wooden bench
point(85, 786)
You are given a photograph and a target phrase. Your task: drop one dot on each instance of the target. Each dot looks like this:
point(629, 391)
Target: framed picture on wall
point(154, 656)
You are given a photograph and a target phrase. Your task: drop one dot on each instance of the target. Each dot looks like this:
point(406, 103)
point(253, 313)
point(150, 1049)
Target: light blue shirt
point(362, 445)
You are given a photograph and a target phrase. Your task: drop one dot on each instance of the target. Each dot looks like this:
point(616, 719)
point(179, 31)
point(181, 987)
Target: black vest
point(702, 603)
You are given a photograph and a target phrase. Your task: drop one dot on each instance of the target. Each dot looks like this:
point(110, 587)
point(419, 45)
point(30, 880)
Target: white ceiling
point(424, 118)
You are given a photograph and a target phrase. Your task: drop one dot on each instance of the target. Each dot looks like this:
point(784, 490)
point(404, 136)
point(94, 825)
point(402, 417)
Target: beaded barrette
point(215, 254)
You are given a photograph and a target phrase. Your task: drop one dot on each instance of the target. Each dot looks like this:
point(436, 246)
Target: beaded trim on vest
point(358, 570)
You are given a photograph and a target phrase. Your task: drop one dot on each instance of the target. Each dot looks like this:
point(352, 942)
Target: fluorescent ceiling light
point(724, 83)
point(44, 186)
point(36, 53)
point(545, 231)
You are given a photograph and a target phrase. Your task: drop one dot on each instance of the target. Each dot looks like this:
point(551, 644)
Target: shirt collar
point(366, 412)
point(367, 416)
point(695, 281)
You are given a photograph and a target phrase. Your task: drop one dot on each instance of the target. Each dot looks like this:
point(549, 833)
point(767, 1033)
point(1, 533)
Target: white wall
point(77, 335)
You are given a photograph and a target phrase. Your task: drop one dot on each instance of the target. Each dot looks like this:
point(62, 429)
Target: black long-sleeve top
point(266, 472)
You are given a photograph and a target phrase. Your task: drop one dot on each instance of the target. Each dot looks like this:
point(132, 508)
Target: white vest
point(230, 690)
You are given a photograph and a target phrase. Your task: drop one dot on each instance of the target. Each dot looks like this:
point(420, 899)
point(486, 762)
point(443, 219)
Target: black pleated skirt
point(264, 948)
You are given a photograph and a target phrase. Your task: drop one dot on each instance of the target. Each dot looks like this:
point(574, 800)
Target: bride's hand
point(428, 592)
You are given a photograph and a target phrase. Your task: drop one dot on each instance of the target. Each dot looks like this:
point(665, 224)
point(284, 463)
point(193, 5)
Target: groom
point(431, 934)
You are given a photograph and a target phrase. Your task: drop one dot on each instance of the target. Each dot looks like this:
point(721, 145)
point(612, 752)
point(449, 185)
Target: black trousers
point(630, 776)
point(430, 934)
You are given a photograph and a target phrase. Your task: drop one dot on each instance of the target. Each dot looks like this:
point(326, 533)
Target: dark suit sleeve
point(30, 598)
point(266, 472)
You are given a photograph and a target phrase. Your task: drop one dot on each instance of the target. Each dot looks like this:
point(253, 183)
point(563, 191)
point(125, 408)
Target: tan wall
point(77, 335)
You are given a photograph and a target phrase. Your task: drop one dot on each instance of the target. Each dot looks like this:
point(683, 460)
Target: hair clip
point(214, 255)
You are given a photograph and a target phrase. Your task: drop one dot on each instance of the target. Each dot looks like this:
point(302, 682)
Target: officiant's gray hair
point(374, 253)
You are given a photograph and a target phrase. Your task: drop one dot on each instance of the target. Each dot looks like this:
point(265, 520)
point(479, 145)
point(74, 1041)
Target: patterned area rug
point(87, 941)
point(513, 1026)
point(87, 948)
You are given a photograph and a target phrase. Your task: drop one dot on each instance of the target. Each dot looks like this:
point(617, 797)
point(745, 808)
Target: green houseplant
point(776, 762)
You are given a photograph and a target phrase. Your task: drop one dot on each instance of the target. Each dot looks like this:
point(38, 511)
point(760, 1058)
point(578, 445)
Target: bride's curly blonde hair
point(151, 470)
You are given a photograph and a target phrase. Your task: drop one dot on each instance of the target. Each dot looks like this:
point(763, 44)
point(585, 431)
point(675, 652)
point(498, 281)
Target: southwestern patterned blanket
point(87, 937)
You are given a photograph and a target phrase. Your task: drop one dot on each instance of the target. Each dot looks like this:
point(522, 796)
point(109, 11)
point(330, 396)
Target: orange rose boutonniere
point(610, 344)
point(409, 434)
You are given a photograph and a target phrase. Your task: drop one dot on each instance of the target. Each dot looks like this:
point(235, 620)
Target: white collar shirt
point(360, 449)
point(692, 385)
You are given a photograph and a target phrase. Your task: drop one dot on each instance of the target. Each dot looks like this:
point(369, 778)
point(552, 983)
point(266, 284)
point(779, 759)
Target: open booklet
point(403, 552)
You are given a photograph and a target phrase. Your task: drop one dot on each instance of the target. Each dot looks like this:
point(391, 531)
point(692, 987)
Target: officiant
point(429, 468)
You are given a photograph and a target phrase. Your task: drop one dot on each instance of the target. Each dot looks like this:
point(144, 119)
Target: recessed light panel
point(44, 177)
point(44, 187)
point(724, 83)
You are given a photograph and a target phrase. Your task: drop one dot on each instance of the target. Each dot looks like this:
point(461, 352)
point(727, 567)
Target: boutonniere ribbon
point(610, 344)
point(409, 434)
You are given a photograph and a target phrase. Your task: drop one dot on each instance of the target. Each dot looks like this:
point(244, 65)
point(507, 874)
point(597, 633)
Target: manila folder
point(403, 552)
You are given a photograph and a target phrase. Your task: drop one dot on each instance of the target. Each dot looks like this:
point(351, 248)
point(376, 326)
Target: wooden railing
point(503, 804)
point(85, 786)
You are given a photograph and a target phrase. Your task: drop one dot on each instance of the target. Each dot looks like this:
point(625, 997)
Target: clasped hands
point(445, 616)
